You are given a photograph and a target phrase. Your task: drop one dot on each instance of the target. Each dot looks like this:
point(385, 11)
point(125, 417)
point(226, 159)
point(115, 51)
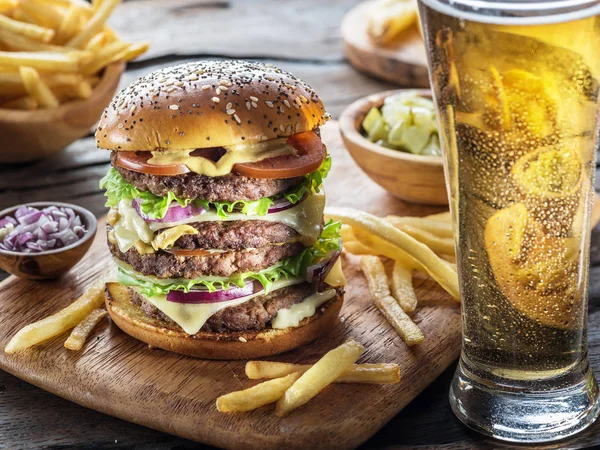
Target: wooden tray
point(403, 63)
point(120, 376)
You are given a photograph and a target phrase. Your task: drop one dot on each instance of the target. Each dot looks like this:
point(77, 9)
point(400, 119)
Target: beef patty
point(255, 314)
point(235, 235)
point(166, 265)
point(228, 188)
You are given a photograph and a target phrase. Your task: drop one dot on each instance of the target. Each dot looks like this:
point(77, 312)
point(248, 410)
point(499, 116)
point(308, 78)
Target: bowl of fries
point(60, 65)
point(411, 177)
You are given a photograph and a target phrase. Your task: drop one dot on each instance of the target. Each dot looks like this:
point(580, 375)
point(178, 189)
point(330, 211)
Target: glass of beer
point(516, 87)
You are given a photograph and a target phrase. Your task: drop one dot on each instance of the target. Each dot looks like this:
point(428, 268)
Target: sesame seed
point(191, 78)
point(205, 87)
point(218, 91)
point(281, 109)
point(120, 125)
point(179, 83)
point(229, 105)
point(303, 98)
point(224, 82)
point(254, 99)
point(254, 105)
point(296, 105)
point(170, 89)
point(168, 83)
point(288, 129)
point(264, 138)
point(286, 103)
point(243, 339)
point(174, 107)
point(248, 106)
point(133, 108)
point(281, 128)
point(230, 111)
point(297, 128)
point(215, 99)
point(298, 100)
point(224, 88)
point(237, 119)
point(269, 104)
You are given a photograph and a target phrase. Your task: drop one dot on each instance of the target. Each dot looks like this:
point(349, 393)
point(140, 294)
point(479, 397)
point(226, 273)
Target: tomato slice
point(311, 153)
point(310, 148)
point(138, 162)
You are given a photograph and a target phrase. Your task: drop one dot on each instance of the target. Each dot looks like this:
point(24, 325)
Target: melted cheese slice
point(291, 317)
point(336, 276)
point(191, 317)
point(243, 153)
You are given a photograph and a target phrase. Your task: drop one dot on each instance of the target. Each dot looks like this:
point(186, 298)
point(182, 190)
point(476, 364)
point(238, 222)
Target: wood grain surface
point(403, 62)
point(120, 376)
point(32, 418)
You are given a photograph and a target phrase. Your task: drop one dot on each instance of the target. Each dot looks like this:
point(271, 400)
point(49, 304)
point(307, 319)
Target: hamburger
point(216, 211)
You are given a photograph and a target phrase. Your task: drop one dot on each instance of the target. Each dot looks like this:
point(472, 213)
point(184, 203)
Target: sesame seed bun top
point(209, 104)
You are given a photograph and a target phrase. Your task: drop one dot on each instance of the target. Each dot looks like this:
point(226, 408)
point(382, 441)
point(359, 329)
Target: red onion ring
point(175, 213)
point(202, 296)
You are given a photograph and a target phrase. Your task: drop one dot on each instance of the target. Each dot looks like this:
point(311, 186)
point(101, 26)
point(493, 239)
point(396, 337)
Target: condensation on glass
point(516, 87)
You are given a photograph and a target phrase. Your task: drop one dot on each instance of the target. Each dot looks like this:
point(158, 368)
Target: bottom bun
point(231, 345)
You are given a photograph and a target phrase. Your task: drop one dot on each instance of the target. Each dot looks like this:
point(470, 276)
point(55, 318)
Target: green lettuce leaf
point(295, 266)
point(116, 189)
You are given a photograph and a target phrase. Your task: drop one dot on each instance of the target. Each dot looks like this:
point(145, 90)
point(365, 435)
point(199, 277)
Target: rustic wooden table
point(301, 36)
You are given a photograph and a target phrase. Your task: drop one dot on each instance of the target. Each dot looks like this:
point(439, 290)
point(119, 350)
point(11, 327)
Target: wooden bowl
point(403, 62)
point(414, 178)
point(32, 135)
point(52, 263)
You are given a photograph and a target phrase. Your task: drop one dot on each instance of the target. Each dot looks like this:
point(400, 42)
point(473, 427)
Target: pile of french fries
point(82, 315)
point(53, 51)
point(413, 243)
point(293, 385)
point(388, 19)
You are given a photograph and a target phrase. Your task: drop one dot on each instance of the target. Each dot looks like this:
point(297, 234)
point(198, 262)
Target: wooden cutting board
point(120, 376)
point(403, 62)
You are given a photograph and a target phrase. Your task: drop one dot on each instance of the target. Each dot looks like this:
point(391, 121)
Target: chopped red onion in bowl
point(32, 230)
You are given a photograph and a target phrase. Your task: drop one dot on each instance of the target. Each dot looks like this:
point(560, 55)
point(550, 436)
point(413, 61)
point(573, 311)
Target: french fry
point(23, 16)
point(435, 243)
point(7, 5)
point(83, 329)
point(260, 395)
point(357, 248)
point(26, 29)
point(17, 42)
point(439, 271)
point(96, 4)
point(320, 375)
point(68, 26)
point(136, 50)
point(45, 61)
point(94, 25)
point(22, 103)
point(44, 13)
point(95, 43)
point(441, 217)
point(439, 229)
point(402, 288)
point(389, 307)
point(37, 89)
point(83, 89)
point(380, 247)
point(111, 53)
point(60, 322)
point(357, 373)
